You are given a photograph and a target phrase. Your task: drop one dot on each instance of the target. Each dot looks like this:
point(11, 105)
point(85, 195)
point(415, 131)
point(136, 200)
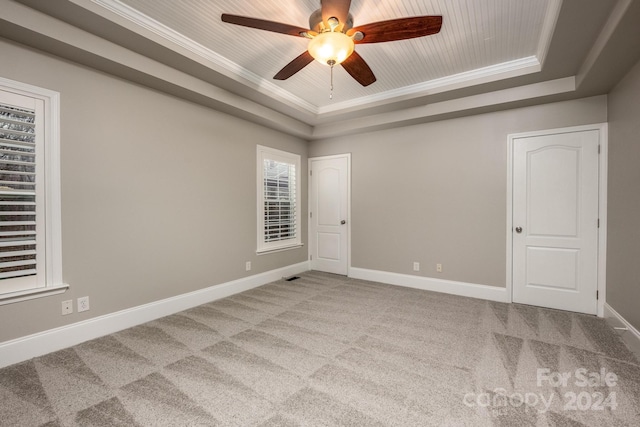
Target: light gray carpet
point(326, 350)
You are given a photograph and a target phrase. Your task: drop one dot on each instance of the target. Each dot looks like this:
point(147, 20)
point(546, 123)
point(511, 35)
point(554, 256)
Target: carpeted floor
point(327, 350)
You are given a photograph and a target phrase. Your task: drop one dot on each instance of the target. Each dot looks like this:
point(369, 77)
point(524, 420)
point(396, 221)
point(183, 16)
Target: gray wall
point(436, 193)
point(158, 194)
point(623, 240)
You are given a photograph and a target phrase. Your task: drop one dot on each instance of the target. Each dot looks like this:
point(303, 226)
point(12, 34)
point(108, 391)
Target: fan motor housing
point(316, 24)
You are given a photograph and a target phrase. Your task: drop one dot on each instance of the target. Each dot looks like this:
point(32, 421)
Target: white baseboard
point(25, 348)
point(492, 293)
point(631, 336)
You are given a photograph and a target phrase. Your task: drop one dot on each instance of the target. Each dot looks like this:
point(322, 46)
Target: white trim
point(53, 189)
point(263, 153)
point(472, 290)
point(25, 348)
point(631, 336)
point(214, 60)
point(602, 204)
point(174, 40)
point(466, 104)
point(33, 91)
point(334, 156)
point(32, 293)
point(602, 216)
point(281, 249)
point(509, 246)
point(516, 68)
point(548, 28)
point(53, 205)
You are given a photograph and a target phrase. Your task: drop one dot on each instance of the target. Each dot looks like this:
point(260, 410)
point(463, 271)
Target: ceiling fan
point(333, 36)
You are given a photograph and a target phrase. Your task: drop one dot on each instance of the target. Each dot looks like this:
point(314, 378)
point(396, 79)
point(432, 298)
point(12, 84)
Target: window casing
point(30, 232)
point(278, 174)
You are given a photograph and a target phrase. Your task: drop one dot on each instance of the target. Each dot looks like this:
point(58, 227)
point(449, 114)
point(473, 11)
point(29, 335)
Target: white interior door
point(329, 214)
point(555, 220)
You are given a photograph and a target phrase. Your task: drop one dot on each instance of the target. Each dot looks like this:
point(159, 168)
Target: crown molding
point(213, 59)
point(548, 28)
point(439, 109)
point(174, 39)
point(478, 76)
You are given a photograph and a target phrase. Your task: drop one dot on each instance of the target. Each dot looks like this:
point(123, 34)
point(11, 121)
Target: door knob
point(518, 229)
point(343, 222)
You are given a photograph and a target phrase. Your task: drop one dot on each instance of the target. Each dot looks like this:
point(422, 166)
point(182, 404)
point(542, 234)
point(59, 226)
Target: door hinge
point(311, 172)
point(310, 214)
point(598, 149)
point(597, 294)
point(598, 222)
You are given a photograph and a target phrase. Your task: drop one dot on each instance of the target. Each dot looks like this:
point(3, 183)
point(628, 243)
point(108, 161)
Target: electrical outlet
point(247, 266)
point(83, 304)
point(416, 266)
point(439, 268)
point(67, 307)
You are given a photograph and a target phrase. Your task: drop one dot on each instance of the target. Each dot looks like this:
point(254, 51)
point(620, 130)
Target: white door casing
point(555, 213)
point(329, 192)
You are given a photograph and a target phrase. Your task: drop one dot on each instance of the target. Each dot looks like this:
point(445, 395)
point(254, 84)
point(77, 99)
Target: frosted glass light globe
point(331, 48)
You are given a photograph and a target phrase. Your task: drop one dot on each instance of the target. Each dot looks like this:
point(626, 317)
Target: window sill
point(32, 294)
point(280, 249)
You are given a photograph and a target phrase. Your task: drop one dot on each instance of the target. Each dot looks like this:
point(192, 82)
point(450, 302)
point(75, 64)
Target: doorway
point(329, 213)
point(556, 218)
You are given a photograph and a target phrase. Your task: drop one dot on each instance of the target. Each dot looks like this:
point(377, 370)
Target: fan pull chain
point(331, 64)
point(331, 93)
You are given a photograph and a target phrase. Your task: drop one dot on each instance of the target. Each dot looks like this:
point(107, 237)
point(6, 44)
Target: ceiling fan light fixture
point(331, 48)
point(333, 37)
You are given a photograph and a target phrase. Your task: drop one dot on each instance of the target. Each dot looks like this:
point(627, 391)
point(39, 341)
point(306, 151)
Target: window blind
point(279, 201)
point(17, 192)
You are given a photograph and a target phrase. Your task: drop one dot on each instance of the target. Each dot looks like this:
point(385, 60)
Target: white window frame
point(267, 153)
point(52, 233)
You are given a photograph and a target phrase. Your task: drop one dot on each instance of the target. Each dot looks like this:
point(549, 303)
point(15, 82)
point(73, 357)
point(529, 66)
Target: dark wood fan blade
point(359, 70)
point(398, 29)
point(261, 24)
point(294, 66)
point(335, 9)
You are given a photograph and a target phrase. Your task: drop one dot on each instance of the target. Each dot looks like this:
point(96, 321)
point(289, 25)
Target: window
point(278, 199)
point(30, 261)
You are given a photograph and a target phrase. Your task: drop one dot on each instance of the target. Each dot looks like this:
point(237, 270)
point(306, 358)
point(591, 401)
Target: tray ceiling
point(478, 37)
point(489, 55)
